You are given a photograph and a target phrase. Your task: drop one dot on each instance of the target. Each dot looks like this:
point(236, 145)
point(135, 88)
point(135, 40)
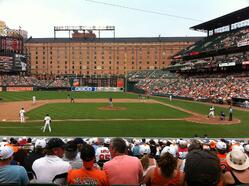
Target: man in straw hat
point(239, 163)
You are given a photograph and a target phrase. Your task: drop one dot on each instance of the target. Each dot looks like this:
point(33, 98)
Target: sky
point(39, 17)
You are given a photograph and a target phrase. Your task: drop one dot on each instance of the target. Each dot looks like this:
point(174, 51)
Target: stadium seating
point(217, 42)
point(15, 80)
point(196, 87)
point(178, 147)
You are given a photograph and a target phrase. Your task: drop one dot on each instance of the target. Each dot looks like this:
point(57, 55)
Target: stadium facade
point(102, 56)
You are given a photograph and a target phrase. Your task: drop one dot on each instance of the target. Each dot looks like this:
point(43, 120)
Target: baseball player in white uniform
point(211, 112)
point(47, 122)
point(34, 99)
point(22, 115)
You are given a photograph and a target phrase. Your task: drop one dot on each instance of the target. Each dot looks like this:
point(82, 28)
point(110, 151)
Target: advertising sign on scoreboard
point(6, 63)
point(11, 44)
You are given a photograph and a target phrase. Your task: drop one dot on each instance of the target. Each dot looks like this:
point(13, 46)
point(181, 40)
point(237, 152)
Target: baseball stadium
point(167, 89)
point(211, 71)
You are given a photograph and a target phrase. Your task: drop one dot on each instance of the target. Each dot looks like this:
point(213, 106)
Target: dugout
point(239, 102)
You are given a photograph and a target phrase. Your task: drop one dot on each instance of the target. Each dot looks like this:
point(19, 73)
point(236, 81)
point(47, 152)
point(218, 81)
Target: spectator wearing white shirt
point(52, 168)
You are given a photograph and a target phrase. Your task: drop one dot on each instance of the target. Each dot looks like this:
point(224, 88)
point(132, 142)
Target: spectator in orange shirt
point(87, 174)
point(222, 153)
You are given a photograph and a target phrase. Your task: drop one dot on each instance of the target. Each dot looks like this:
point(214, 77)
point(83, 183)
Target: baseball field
point(91, 115)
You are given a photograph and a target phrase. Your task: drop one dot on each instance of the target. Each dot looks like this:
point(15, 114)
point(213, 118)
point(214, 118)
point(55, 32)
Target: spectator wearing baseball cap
point(222, 153)
point(172, 150)
point(88, 174)
point(51, 168)
point(37, 153)
point(4, 141)
point(72, 156)
point(202, 167)
point(212, 145)
point(79, 142)
point(166, 173)
point(239, 163)
point(148, 153)
point(11, 173)
point(182, 149)
point(195, 145)
point(13, 144)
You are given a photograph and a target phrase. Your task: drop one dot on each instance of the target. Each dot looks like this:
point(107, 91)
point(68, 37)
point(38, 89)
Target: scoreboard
point(11, 44)
point(12, 58)
point(13, 63)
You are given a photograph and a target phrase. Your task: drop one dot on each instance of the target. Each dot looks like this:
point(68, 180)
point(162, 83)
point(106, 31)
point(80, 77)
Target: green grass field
point(139, 127)
point(41, 95)
point(91, 111)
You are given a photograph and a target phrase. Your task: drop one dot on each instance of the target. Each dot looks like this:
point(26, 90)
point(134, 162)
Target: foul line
point(116, 119)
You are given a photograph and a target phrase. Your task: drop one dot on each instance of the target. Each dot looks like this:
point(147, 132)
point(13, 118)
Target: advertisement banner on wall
point(16, 89)
point(227, 64)
point(243, 43)
point(83, 89)
point(97, 89)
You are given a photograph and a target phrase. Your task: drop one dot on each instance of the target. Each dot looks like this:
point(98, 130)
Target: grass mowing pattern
point(121, 128)
point(41, 95)
point(127, 128)
point(90, 111)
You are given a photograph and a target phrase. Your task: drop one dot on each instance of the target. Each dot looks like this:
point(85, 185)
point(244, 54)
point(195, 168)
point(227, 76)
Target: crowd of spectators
point(209, 88)
point(225, 40)
point(119, 161)
point(16, 80)
point(153, 74)
point(212, 62)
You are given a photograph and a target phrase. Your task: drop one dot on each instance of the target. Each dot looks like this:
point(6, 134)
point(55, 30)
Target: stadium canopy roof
point(228, 19)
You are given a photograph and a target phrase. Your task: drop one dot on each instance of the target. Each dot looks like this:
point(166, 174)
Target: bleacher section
point(30, 81)
point(152, 74)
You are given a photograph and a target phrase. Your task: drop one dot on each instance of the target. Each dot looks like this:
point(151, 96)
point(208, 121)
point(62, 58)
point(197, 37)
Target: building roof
point(228, 19)
point(114, 40)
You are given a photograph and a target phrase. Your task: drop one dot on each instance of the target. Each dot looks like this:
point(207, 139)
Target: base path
point(9, 111)
point(199, 118)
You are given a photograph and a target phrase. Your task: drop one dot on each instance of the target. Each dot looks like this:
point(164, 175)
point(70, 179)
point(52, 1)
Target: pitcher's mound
point(111, 108)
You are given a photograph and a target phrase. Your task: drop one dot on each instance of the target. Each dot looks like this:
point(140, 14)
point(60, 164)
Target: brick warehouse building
point(102, 56)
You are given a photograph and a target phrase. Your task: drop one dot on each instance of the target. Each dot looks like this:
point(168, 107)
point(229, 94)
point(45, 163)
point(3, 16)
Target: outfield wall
point(97, 89)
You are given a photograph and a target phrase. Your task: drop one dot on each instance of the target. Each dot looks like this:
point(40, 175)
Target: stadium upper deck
point(227, 45)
